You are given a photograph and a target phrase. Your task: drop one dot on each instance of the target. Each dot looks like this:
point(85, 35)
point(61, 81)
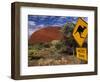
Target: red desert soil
point(46, 34)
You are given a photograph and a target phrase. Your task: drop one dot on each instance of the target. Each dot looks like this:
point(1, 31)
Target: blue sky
point(36, 22)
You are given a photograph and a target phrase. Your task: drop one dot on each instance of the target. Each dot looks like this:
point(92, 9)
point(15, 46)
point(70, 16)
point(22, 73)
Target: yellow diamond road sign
point(80, 31)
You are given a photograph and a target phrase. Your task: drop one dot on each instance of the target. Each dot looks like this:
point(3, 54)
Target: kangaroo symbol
point(80, 30)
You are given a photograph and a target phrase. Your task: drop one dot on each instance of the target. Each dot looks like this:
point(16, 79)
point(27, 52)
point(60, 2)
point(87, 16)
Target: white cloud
point(63, 17)
point(30, 32)
point(41, 25)
point(32, 23)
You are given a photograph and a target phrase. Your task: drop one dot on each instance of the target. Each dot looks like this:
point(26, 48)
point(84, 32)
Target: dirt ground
point(59, 60)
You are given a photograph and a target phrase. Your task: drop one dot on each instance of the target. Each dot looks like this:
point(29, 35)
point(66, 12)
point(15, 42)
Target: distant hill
point(46, 34)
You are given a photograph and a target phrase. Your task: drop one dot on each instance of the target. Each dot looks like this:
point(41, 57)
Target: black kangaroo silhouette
point(80, 30)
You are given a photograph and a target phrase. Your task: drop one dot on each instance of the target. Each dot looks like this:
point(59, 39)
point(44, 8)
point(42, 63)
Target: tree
point(69, 41)
point(68, 29)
